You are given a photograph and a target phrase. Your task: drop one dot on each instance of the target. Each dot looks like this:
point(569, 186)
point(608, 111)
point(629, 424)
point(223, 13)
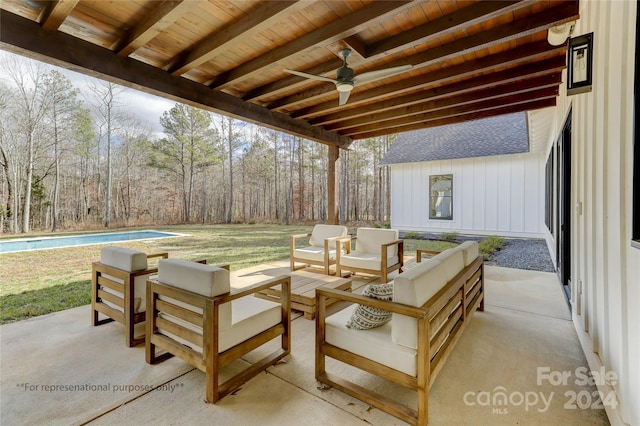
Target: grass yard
point(39, 282)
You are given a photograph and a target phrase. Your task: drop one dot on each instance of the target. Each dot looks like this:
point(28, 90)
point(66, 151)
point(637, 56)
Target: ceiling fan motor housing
point(345, 74)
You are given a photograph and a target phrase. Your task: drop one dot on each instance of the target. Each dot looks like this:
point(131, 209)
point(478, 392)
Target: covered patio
point(469, 60)
point(57, 369)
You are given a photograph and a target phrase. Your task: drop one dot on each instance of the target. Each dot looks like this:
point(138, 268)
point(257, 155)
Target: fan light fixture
point(346, 79)
point(344, 87)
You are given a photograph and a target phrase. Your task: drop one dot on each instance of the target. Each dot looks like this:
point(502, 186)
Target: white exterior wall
point(499, 195)
point(605, 267)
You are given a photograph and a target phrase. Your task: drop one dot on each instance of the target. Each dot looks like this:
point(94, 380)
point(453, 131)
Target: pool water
point(25, 244)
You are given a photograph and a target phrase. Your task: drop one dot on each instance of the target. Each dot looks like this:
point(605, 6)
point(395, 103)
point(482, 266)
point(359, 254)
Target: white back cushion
point(369, 240)
point(123, 258)
point(199, 278)
point(469, 251)
point(322, 232)
point(453, 261)
point(415, 287)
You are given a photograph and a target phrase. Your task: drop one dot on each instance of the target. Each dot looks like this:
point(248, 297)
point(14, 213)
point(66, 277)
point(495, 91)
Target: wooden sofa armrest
point(344, 296)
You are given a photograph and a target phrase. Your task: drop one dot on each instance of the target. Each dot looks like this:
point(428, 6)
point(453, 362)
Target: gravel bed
point(518, 253)
point(523, 254)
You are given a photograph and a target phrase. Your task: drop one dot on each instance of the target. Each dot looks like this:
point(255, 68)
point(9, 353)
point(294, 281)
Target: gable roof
point(500, 135)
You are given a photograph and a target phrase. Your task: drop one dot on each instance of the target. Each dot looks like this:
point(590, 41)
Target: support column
point(333, 188)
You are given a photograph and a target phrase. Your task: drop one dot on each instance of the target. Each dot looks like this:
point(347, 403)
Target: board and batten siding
point(605, 267)
point(498, 195)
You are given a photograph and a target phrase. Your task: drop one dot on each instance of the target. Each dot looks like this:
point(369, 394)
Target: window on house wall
point(441, 197)
point(548, 193)
point(635, 184)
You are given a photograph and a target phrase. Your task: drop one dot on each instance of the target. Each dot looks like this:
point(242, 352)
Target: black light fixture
point(580, 64)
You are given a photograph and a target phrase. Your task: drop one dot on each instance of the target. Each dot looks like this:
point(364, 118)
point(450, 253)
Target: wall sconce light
point(580, 64)
point(558, 35)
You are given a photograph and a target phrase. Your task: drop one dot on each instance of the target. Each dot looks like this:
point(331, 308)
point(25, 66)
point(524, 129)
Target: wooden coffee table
point(303, 290)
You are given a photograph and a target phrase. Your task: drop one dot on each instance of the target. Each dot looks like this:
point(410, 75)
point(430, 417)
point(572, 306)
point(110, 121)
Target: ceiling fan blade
point(375, 75)
point(310, 76)
point(344, 96)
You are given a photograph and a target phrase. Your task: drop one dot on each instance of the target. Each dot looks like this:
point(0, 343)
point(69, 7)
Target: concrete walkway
point(58, 370)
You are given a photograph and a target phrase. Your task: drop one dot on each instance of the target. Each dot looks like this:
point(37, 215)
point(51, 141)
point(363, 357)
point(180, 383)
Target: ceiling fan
point(346, 79)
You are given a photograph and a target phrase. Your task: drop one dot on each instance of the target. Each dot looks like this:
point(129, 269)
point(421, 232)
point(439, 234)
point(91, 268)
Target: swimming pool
point(25, 244)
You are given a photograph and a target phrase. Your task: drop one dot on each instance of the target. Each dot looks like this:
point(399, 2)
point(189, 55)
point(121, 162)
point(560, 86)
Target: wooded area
point(72, 160)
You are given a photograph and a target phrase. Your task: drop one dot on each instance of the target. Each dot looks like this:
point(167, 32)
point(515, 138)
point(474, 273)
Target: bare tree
point(33, 101)
point(106, 104)
point(64, 104)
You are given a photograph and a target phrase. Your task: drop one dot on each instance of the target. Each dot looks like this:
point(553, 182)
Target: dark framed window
point(635, 184)
point(441, 197)
point(548, 193)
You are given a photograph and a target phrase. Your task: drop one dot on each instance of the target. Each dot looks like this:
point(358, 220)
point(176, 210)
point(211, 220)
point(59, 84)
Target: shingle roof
point(504, 134)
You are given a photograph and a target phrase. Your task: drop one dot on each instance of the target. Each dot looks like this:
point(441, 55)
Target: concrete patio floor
point(58, 370)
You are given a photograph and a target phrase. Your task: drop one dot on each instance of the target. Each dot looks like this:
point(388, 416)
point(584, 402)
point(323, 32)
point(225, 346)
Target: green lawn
point(40, 282)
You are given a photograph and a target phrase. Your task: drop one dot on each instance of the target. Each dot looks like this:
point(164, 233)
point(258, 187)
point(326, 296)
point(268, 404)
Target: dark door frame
point(563, 239)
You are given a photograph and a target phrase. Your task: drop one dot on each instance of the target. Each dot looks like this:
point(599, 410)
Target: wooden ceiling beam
point(55, 12)
point(477, 115)
point(482, 105)
point(518, 55)
point(25, 37)
point(530, 86)
point(444, 25)
point(164, 15)
point(540, 21)
point(475, 13)
point(548, 66)
point(332, 32)
point(261, 18)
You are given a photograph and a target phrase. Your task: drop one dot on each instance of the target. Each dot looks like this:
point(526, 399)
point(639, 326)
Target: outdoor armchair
point(118, 288)
point(377, 251)
point(321, 247)
point(193, 313)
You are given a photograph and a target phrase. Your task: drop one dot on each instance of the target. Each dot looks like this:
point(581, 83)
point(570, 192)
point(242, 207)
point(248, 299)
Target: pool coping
point(26, 239)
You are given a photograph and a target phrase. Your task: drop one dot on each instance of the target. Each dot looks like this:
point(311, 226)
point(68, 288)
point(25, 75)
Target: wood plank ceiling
point(470, 59)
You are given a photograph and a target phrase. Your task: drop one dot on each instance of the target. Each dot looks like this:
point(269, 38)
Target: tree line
point(72, 160)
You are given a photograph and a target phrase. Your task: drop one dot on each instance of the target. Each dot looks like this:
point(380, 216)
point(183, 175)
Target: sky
point(147, 107)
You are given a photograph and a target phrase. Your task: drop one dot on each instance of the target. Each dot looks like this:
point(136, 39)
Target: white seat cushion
point(415, 287)
point(365, 260)
point(374, 344)
point(469, 251)
point(250, 317)
point(311, 253)
point(322, 232)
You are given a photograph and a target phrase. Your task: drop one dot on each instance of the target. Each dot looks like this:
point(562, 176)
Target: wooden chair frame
point(441, 321)
point(211, 360)
point(420, 252)
point(327, 261)
point(127, 315)
point(384, 249)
